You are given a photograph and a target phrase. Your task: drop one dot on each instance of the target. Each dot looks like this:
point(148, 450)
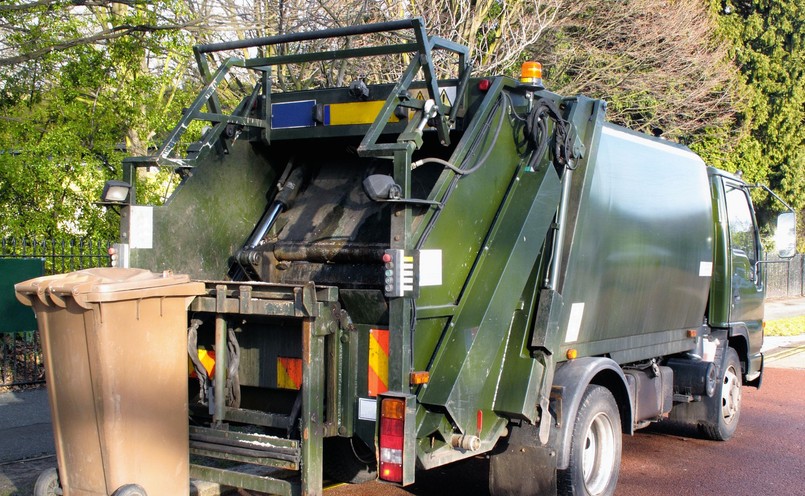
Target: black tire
point(724, 408)
point(47, 484)
point(595, 449)
point(130, 490)
point(349, 460)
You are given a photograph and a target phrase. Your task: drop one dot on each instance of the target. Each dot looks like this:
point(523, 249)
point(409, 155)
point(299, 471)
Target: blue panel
point(293, 114)
point(326, 116)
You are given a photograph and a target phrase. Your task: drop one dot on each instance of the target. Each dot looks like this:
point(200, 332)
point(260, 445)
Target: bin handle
point(56, 298)
point(25, 299)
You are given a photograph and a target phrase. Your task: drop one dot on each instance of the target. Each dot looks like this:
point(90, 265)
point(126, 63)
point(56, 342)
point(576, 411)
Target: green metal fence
point(21, 259)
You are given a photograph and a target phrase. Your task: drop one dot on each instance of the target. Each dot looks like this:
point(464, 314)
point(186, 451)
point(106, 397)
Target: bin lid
point(106, 284)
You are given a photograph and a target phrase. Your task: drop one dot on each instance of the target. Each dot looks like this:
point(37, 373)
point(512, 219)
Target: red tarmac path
point(765, 458)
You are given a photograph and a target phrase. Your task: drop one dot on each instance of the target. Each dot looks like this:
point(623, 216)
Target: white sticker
point(574, 322)
point(705, 269)
point(430, 267)
point(367, 409)
point(141, 227)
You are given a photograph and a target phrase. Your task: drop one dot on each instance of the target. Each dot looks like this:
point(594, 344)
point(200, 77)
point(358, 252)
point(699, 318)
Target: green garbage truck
point(403, 274)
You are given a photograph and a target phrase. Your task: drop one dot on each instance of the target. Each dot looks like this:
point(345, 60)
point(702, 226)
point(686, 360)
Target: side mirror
point(785, 236)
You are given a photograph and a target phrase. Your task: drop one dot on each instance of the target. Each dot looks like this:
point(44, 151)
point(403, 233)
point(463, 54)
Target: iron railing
point(20, 350)
point(60, 255)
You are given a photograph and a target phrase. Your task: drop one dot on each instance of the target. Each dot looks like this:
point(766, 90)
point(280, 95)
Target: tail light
point(392, 439)
point(396, 437)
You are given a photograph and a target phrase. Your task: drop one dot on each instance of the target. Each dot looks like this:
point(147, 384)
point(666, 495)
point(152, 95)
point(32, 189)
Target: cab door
point(746, 281)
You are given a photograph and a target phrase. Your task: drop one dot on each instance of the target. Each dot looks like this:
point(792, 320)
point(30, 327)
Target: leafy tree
point(768, 44)
point(76, 103)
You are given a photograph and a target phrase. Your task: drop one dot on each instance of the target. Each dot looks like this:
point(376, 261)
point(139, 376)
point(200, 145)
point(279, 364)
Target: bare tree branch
point(67, 3)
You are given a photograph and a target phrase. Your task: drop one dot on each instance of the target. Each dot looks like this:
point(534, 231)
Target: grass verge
point(793, 326)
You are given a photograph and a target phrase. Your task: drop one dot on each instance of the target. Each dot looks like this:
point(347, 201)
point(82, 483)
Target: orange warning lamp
point(531, 74)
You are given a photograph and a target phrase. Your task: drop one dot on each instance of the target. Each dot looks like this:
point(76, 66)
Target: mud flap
point(522, 466)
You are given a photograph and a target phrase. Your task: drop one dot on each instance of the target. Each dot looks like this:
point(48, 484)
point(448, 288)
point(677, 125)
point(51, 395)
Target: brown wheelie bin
point(114, 343)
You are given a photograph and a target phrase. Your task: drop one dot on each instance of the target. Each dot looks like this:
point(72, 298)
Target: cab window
point(741, 224)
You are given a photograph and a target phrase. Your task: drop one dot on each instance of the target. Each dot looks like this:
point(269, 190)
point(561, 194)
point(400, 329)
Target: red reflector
point(484, 84)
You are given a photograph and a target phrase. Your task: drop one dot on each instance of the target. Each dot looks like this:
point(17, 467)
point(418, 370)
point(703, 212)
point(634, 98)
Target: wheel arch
point(739, 340)
point(570, 382)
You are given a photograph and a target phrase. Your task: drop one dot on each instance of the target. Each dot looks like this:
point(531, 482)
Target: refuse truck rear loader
point(403, 275)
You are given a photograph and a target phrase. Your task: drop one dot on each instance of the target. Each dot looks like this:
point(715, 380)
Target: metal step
point(257, 449)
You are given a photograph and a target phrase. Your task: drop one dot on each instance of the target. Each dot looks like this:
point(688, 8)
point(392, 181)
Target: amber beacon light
point(531, 74)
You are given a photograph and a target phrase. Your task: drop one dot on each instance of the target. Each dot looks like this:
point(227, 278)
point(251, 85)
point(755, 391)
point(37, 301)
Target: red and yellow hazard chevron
point(378, 373)
point(289, 373)
point(207, 358)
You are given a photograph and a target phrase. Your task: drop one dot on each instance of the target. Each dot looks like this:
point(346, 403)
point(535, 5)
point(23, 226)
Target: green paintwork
point(640, 247)
point(210, 215)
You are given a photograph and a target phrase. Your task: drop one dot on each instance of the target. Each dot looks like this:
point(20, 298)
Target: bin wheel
point(130, 490)
point(47, 484)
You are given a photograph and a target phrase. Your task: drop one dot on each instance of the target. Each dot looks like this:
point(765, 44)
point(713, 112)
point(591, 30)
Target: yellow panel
point(356, 113)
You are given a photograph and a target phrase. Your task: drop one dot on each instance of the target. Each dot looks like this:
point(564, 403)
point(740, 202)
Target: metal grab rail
point(423, 45)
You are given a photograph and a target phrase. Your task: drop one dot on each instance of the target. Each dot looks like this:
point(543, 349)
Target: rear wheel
point(595, 449)
point(47, 484)
point(724, 408)
point(349, 460)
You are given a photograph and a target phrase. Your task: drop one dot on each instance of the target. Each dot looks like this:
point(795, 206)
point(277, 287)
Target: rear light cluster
point(392, 438)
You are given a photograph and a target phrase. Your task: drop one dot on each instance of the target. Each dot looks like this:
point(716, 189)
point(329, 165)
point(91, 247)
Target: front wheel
point(724, 408)
point(595, 449)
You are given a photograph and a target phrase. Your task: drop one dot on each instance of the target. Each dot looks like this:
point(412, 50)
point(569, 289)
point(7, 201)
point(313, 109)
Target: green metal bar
point(445, 44)
point(433, 312)
point(201, 100)
point(250, 482)
point(256, 417)
point(232, 119)
point(206, 75)
point(312, 408)
point(258, 439)
point(334, 383)
point(400, 309)
point(357, 30)
point(130, 176)
point(369, 146)
point(442, 128)
point(464, 78)
point(220, 369)
point(266, 82)
point(262, 461)
point(332, 54)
